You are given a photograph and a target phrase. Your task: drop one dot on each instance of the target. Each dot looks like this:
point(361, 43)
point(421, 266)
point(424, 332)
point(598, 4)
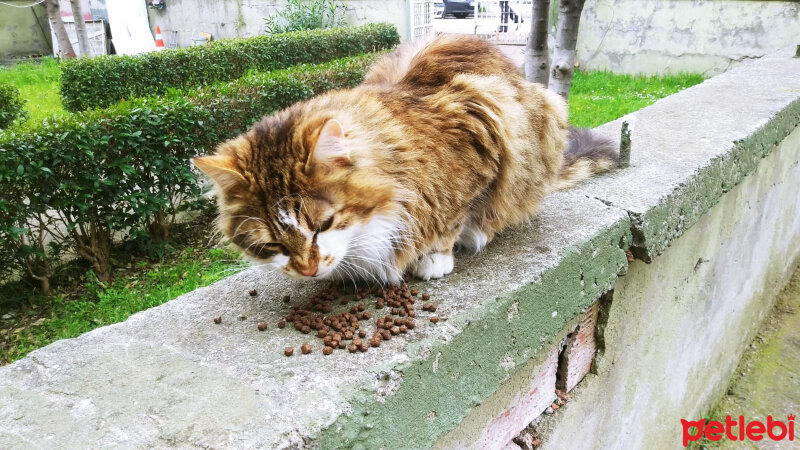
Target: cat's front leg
point(433, 265)
point(438, 261)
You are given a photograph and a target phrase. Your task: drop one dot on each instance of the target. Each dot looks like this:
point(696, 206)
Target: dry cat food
point(343, 330)
point(218, 320)
point(253, 292)
point(262, 326)
point(288, 351)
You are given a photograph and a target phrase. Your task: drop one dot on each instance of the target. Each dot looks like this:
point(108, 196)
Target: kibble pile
point(342, 331)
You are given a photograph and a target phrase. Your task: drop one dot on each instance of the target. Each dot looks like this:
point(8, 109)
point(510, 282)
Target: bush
point(81, 178)
point(306, 15)
point(105, 80)
point(11, 106)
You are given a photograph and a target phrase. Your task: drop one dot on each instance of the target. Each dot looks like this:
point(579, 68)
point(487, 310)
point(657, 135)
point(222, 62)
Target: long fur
point(443, 143)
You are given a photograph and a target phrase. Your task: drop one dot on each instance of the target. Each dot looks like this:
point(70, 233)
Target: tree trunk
point(65, 50)
point(537, 53)
point(569, 18)
point(80, 27)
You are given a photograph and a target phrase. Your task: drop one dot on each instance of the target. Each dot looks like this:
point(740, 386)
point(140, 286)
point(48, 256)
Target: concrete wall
point(658, 36)
point(21, 34)
point(676, 328)
point(242, 18)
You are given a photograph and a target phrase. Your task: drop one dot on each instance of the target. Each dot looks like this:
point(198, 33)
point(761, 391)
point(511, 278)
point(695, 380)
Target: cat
point(444, 144)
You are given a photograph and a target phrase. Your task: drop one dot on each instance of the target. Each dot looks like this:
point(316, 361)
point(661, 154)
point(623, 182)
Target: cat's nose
point(309, 271)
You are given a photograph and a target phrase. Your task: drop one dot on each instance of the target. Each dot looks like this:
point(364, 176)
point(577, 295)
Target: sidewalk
point(767, 380)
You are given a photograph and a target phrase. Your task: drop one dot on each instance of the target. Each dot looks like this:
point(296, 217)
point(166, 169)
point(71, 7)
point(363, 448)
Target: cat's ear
point(222, 169)
point(331, 146)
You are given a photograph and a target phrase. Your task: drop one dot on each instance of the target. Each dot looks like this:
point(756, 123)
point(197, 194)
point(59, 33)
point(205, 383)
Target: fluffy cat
point(443, 144)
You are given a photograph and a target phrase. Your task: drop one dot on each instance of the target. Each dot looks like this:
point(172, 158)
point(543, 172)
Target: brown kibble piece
point(288, 351)
point(403, 329)
point(386, 335)
point(262, 326)
point(321, 333)
point(367, 315)
point(286, 299)
point(305, 329)
point(253, 292)
point(218, 320)
point(414, 292)
point(426, 296)
point(357, 342)
point(364, 346)
point(432, 308)
point(395, 330)
point(305, 348)
point(352, 348)
point(342, 344)
point(434, 319)
point(281, 323)
point(327, 350)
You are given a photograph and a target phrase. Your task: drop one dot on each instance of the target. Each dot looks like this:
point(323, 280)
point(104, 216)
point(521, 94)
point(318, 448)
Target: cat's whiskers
point(362, 269)
point(344, 266)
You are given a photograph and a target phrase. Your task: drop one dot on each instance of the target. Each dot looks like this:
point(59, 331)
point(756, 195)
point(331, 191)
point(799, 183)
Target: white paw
point(472, 238)
point(433, 265)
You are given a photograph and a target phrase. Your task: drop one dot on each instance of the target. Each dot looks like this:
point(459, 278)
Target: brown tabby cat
point(443, 144)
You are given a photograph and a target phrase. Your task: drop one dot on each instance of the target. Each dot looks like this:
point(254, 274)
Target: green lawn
point(600, 97)
point(38, 321)
point(38, 83)
point(83, 304)
point(596, 97)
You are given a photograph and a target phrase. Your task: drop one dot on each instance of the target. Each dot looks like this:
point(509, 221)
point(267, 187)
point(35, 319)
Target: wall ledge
point(170, 376)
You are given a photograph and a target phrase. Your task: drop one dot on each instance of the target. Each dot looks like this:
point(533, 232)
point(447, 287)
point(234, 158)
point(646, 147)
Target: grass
point(600, 97)
point(596, 97)
point(38, 83)
point(84, 304)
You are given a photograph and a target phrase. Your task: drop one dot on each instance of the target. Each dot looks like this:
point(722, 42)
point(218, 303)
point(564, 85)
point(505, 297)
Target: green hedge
point(11, 105)
point(82, 177)
point(105, 80)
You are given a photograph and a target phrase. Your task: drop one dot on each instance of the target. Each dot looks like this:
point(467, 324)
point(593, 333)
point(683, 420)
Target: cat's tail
point(587, 154)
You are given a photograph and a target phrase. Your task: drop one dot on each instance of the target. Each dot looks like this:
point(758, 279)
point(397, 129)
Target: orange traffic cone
point(159, 39)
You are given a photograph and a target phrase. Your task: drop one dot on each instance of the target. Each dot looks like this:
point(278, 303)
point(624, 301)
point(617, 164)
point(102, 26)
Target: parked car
point(457, 8)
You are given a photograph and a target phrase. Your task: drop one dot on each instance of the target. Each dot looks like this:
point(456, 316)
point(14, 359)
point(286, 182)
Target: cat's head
point(300, 193)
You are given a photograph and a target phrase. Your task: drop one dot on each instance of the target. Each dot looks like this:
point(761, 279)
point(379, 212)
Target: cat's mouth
point(318, 271)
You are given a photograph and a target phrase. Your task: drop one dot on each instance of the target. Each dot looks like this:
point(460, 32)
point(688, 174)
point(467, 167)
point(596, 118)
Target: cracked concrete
point(671, 36)
point(691, 148)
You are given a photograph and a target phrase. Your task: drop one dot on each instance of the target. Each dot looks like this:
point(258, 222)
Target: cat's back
point(436, 62)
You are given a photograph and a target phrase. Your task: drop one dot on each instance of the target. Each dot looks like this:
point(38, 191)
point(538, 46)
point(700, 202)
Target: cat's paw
point(472, 238)
point(433, 265)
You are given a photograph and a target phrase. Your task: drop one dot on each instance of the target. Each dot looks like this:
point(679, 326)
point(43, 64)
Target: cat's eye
point(324, 226)
point(279, 247)
point(269, 249)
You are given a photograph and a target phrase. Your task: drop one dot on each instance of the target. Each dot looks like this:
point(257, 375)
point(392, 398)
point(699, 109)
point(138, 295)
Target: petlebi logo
point(738, 430)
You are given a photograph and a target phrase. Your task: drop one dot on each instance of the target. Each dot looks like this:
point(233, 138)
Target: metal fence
point(507, 22)
point(421, 19)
